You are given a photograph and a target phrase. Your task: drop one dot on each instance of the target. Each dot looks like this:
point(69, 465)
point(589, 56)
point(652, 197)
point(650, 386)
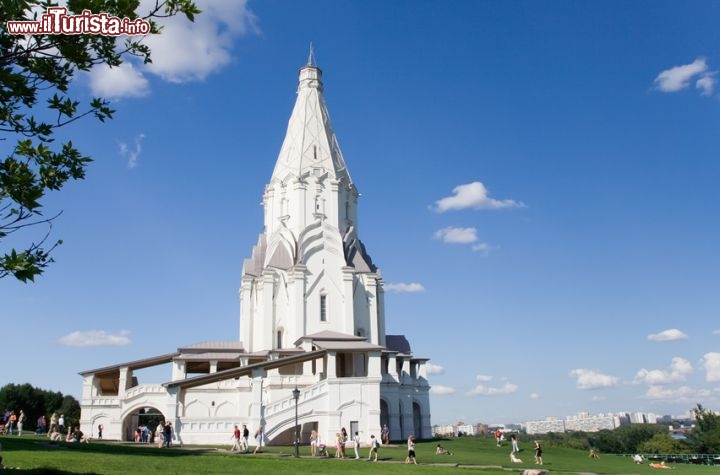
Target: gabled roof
point(232, 345)
point(243, 370)
point(347, 345)
point(328, 335)
point(137, 364)
point(211, 355)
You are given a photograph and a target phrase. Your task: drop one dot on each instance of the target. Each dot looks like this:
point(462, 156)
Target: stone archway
point(147, 416)
point(384, 414)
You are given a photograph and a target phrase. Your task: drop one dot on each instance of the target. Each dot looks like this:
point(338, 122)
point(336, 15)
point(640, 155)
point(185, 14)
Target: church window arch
point(279, 338)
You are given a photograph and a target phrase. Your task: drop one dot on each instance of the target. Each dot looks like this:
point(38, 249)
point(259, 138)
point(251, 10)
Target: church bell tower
point(309, 272)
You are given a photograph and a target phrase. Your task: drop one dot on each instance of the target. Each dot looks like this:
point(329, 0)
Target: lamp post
point(296, 396)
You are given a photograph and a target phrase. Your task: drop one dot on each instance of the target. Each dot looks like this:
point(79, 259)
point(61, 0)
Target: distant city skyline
point(538, 188)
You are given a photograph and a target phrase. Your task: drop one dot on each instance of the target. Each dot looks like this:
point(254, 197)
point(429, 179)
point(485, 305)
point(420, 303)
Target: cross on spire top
point(312, 60)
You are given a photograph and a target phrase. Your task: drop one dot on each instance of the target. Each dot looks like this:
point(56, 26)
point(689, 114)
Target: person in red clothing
point(236, 440)
point(498, 437)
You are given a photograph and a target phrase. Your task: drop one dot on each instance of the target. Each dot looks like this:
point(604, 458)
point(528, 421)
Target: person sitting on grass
point(440, 450)
point(55, 435)
point(594, 454)
point(514, 458)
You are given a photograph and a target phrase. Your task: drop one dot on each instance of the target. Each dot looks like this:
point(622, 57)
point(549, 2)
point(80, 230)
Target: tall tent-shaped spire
point(309, 270)
point(310, 143)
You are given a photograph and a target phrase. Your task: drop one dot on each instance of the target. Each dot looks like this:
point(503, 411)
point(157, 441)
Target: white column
point(374, 365)
point(392, 366)
point(300, 206)
point(405, 371)
point(178, 370)
point(213, 366)
point(268, 314)
point(381, 311)
point(257, 411)
point(246, 312)
point(297, 314)
point(125, 381)
point(331, 365)
point(349, 301)
point(371, 289)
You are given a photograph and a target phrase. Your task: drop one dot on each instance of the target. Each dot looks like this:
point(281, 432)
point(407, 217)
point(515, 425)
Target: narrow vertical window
point(323, 308)
point(279, 339)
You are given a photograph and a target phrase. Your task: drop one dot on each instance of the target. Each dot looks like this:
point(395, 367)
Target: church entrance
point(384, 414)
point(144, 420)
point(417, 421)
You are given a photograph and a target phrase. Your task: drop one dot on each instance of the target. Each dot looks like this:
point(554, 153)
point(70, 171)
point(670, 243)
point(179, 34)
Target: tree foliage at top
point(35, 75)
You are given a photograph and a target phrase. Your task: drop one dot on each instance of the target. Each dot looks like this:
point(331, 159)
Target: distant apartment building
point(443, 431)
point(551, 424)
point(455, 430)
point(586, 422)
point(465, 429)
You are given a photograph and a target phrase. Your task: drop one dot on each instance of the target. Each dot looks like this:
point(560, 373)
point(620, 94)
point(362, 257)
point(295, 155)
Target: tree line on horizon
point(704, 438)
point(37, 402)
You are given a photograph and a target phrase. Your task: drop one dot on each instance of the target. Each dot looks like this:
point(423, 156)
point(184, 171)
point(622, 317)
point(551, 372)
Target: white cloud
point(679, 369)
point(482, 377)
point(679, 77)
point(482, 248)
point(442, 390)
point(681, 394)
point(589, 379)
point(472, 195)
point(598, 398)
point(184, 51)
point(190, 51)
point(434, 369)
point(133, 154)
point(120, 81)
point(456, 235)
point(534, 396)
point(668, 335)
point(711, 363)
point(405, 288)
point(706, 84)
point(96, 338)
point(481, 390)
point(716, 332)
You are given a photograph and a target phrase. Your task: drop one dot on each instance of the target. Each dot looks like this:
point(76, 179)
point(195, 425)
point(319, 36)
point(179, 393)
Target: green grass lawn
point(33, 454)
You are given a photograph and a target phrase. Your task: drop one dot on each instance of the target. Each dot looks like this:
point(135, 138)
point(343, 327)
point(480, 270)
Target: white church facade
point(311, 317)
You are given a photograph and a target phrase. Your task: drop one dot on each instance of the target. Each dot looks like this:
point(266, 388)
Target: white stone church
point(311, 317)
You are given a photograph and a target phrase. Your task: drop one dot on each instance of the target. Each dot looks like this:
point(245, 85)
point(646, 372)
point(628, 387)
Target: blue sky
point(539, 190)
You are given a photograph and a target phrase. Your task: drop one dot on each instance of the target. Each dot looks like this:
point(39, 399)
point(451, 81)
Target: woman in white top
point(411, 450)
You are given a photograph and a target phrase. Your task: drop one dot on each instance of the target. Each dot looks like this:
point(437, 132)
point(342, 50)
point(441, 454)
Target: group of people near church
point(240, 439)
point(319, 449)
point(12, 423)
point(164, 434)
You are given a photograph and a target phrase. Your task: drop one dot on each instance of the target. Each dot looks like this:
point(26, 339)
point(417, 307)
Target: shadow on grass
point(42, 444)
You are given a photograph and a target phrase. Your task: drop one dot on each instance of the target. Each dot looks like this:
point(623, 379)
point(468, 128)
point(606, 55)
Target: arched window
point(323, 308)
point(279, 337)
